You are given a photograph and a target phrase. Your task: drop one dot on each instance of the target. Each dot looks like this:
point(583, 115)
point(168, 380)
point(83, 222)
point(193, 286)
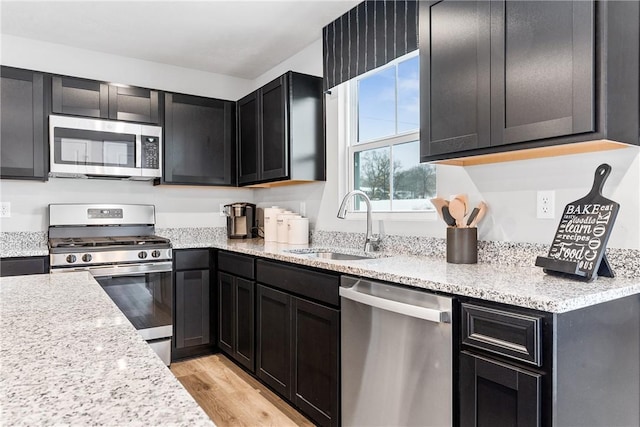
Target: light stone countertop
point(526, 287)
point(68, 356)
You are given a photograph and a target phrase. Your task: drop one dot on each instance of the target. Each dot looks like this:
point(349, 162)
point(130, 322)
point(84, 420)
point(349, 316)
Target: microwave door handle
point(138, 151)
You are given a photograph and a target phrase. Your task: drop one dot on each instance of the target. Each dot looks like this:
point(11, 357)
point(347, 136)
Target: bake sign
point(582, 234)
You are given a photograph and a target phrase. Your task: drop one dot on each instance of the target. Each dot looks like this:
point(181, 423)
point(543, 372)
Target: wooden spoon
point(458, 210)
point(439, 203)
point(482, 209)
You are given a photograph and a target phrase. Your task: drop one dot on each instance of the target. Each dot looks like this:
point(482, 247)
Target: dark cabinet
point(236, 309)
point(90, 98)
point(498, 394)
point(506, 75)
point(23, 124)
point(199, 143)
point(194, 312)
point(281, 131)
point(20, 266)
point(297, 338)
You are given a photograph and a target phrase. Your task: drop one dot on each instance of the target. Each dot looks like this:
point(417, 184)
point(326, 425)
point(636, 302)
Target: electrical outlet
point(545, 207)
point(5, 210)
point(222, 210)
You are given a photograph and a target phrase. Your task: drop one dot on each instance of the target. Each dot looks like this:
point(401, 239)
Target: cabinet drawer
point(24, 265)
point(513, 335)
point(192, 259)
point(309, 283)
point(239, 265)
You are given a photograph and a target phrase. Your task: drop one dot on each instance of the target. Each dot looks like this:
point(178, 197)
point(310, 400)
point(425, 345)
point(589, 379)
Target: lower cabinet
point(194, 307)
point(20, 266)
point(297, 339)
point(236, 308)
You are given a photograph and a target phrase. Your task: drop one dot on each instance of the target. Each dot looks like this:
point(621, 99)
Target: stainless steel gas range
point(118, 246)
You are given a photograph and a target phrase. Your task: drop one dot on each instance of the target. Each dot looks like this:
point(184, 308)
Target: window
point(383, 142)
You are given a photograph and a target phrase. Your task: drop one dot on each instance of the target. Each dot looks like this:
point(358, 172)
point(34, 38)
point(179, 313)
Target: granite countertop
point(526, 287)
point(68, 356)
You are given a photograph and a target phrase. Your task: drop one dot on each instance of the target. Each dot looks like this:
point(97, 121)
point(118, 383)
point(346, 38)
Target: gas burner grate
point(86, 242)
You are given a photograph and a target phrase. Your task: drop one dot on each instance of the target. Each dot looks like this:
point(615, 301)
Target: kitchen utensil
point(472, 216)
point(462, 197)
point(482, 210)
point(462, 245)
point(457, 209)
point(448, 219)
point(438, 203)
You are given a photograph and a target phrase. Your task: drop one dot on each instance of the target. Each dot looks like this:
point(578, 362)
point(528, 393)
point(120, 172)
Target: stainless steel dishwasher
point(396, 355)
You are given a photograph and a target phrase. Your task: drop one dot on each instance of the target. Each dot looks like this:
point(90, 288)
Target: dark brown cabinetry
point(236, 307)
point(499, 76)
point(281, 131)
point(20, 266)
point(199, 144)
point(297, 338)
point(23, 126)
point(195, 304)
point(90, 98)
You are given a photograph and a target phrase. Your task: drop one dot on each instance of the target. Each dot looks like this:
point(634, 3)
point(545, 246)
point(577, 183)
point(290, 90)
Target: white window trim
point(347, 132)
point(347, 117)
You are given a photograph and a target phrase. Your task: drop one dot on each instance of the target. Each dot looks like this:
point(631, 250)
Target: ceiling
point(237, 38)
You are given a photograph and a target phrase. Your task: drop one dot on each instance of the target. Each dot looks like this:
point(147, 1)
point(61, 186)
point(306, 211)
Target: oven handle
point(138, 151)
point(124, 270)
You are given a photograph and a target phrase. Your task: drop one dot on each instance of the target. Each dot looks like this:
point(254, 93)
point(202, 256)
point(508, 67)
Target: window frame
point(347, 94)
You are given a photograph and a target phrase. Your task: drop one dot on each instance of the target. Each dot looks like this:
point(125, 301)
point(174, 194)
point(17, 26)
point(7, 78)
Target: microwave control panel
point(150, 152)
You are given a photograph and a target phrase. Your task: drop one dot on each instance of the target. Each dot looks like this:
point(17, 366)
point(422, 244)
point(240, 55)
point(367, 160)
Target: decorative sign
point(578, 248)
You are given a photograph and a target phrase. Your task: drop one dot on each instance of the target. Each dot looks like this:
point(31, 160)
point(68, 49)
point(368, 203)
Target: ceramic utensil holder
point(462, 245)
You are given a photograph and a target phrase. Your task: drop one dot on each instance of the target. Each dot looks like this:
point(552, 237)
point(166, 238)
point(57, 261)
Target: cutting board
point(578, 248)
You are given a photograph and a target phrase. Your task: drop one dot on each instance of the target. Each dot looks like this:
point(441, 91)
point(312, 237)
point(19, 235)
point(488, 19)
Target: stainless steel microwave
point(81, 147)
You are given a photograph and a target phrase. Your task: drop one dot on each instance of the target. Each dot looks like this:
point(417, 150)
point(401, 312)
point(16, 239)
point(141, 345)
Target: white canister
point(283, 226)
point(298, 231)
point(270, 223)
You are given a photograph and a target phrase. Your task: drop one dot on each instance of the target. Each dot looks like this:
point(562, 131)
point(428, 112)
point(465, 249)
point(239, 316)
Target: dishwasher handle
point(430, 314)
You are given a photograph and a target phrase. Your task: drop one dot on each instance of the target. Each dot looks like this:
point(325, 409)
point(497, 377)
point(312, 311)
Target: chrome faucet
point(370, 243)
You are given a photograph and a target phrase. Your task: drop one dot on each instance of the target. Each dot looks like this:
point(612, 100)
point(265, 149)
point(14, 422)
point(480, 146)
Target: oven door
point(144, 294)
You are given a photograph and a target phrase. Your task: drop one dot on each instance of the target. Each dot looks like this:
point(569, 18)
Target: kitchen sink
point(327, 254)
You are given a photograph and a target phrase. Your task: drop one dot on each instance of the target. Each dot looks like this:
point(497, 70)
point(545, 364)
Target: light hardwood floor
point(231, 397)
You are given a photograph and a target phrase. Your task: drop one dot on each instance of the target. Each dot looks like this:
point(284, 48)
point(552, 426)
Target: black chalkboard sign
point(578, 248)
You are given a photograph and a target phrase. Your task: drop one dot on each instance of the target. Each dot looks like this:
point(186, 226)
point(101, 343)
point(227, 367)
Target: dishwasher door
point(396, 356)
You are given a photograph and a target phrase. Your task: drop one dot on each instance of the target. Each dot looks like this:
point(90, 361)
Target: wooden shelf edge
point(279, 184)
point(536, 153)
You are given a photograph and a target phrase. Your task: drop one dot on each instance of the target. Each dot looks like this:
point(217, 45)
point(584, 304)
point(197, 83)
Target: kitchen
point(509, 187)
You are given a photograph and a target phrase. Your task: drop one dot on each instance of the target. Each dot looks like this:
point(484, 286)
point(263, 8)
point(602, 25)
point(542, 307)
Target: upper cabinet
point(22, 124)
point(281, 131)
point(90, 98)
point(198, 141)
point(500, 76)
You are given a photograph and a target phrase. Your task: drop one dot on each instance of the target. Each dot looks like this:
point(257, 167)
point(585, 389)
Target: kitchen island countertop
point(68, 356)
point(527, 287)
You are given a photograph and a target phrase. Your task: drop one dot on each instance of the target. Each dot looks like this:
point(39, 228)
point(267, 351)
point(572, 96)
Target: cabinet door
point(199, 142)
point(244, 318)
point(79, 97)
point(455, 76)
point(22, 124)
point(496, 394)
point(226, 313)
point(315, 351)
point(542, 69)
point(273, 361)
point(248, 137)
point(192, 308)
point(273, 157)
point(133, 104)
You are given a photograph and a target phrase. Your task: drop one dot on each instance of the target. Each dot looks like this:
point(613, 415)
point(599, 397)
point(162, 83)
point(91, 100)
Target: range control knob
point(87, 257)
point(155, 253)
point(71, 259)
point(142, 254)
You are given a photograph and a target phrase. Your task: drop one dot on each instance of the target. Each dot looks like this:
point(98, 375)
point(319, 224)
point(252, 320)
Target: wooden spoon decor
point(458, 210)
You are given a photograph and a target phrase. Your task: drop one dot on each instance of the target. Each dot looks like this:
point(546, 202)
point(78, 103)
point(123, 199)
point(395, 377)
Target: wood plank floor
point(231, 397)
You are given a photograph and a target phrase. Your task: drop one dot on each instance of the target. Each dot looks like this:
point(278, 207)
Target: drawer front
point(191, 259)
point(23, 265)
point(312, 284)
point(236, 264)
point(513, 335)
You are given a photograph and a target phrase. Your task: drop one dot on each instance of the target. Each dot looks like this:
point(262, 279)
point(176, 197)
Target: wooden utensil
point(451, 221)
point(482, 209)
point(439, 203)
point(457, 209)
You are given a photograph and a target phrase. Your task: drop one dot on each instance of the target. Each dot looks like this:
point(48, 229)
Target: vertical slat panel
point(368, 36)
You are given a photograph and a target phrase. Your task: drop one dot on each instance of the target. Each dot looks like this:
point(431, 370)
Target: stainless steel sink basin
point(337, 256)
